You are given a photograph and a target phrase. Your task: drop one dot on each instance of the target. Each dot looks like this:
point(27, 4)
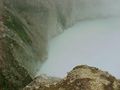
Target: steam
point(95, 43)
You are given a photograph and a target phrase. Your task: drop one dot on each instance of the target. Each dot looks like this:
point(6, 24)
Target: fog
point(94, 43)
point(88, 42)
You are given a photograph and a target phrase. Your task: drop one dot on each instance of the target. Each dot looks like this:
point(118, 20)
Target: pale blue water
point(95, 43)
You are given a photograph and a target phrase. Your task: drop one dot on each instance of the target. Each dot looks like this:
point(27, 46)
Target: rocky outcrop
point(80, 78)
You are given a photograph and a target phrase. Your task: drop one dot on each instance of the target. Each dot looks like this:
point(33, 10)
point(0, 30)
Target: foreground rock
point(80, 78)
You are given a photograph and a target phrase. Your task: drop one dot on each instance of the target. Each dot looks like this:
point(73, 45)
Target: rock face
point(22, 23)
point(12, 75)
point(23, 41)
point(80, 78)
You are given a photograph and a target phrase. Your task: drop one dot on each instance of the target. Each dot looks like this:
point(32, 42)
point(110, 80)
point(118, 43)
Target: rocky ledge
point(82, 77)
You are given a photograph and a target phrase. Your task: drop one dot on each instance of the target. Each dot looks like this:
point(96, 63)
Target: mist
point(93, 42)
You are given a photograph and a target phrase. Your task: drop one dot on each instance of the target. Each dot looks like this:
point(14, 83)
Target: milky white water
point(95, 43)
